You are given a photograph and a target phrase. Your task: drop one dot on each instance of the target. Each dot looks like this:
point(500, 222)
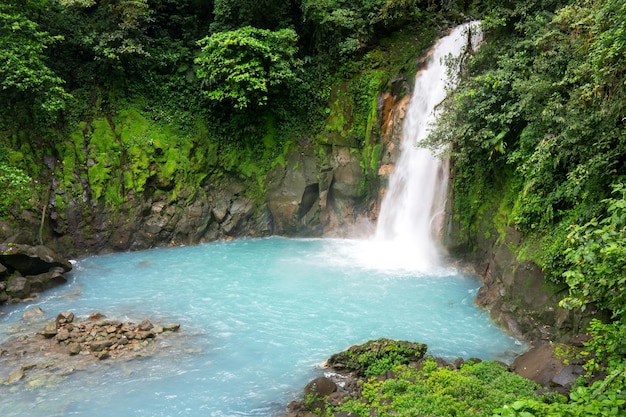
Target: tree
point(263, 14)
point(118, 27)
point(242, 67)
point(344, 27)
point(24, 73)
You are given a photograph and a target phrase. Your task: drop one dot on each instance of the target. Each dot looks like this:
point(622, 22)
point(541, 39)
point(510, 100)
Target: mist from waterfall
point(411, 216)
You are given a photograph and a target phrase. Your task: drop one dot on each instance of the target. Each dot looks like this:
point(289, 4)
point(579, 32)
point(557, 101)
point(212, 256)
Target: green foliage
point(529, 102)
point(603, 398)
point(475, 390)
point(242, 67)
point(344, 27)
point(24, 73)
point(596, 252)
point(607, 346)
point(262, 14)
point(16, 185)
point(119, 28)
point(538, 118)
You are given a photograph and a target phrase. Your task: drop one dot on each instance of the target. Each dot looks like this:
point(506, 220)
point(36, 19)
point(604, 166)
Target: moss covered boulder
point(377, 356)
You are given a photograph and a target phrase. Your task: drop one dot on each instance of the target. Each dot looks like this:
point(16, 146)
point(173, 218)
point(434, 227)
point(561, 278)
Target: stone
point(16, 375)
point(100, 345)
point(337, 398)
point(18, 286)
point(541, 365)
point(73, 349)
point(220, 209)
point(65, 317)
point(62, 335)
point(145, 325)
point(96, 316)
point(33, 313)
point(47, 280)
point(321, 386)
point(31, 260)
point(567, 376)
point(50, 330)
point(171, 327)
point(144, 334)
point(103, 355)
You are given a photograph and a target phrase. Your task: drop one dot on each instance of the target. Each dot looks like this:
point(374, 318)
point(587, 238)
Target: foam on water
point(258, 316)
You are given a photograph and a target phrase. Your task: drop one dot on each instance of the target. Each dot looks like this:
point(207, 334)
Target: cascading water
point(411, 210)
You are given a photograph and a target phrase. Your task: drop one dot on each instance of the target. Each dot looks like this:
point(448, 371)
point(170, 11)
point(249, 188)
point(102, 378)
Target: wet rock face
point(27, 270)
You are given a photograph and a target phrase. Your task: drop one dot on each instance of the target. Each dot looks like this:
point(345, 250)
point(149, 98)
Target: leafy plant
point(596, 252)
point(24, 71)
point(16, 185)
point(474, 390)
point(243, 67)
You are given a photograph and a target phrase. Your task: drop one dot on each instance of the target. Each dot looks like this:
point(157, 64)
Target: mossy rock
point(377, 356)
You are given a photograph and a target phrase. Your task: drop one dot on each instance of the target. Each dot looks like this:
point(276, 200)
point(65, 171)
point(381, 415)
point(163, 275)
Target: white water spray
point(411, 213)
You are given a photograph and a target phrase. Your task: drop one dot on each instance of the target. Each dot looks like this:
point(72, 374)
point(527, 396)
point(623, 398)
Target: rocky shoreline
point(346, 374)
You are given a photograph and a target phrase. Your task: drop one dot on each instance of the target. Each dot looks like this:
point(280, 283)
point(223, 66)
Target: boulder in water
point(25, 270)
point(31, 260)
point(321, 387)
point(363, 359)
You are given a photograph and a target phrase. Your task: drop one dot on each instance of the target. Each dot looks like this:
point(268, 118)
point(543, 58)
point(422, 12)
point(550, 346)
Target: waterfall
point(412, 209)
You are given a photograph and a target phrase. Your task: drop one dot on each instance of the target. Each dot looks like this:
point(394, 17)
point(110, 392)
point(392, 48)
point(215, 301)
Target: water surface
point(258, 318)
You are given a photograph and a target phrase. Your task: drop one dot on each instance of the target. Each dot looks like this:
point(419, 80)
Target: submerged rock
point(33, 313)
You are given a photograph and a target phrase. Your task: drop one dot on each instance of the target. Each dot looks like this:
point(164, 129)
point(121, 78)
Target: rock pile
point(26, 270)
point(102, 338)
point(66, 345)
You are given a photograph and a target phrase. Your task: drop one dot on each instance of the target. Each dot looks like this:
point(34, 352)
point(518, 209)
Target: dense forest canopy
point(537, 123)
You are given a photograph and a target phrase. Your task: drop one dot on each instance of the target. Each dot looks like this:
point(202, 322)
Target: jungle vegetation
point(190, 90)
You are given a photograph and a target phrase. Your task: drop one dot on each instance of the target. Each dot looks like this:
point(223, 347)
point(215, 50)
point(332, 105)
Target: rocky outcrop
point(101, 338)
point(26, 270)
point(552, 366)
point(66, 345)
point(348, 369)
point(315, 197)
point(363, 359)
point(323, 186)
point(514, 290)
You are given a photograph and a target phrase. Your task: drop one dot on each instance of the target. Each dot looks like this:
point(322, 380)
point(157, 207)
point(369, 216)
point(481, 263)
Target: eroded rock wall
point(310, 195)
